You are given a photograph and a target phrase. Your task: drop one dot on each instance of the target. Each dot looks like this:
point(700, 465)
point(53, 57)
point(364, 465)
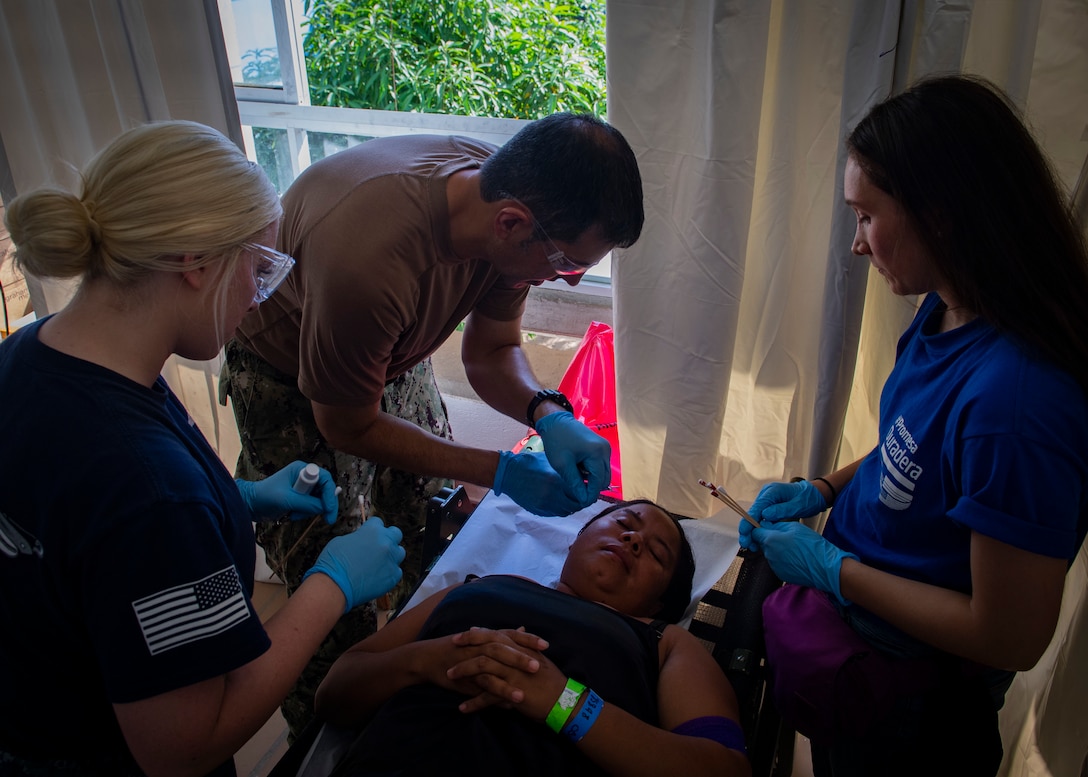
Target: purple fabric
point(826, 680)
point(722, 730)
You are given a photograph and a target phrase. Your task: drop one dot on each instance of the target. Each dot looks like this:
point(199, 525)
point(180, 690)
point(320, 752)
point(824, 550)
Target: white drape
point(750, 344)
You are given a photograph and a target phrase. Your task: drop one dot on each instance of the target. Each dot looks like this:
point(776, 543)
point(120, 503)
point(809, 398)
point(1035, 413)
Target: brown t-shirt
point(376, 287)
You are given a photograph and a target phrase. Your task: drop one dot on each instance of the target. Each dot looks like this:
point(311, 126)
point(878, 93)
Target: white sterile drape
point(750, 344)
point(76, 73)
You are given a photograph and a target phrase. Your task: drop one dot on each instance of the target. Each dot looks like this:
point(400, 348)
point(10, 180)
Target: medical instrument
point(732, 503)
point(304, 484)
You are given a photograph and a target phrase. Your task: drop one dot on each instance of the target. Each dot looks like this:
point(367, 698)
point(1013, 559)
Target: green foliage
point(520, 59)
point(262, 67)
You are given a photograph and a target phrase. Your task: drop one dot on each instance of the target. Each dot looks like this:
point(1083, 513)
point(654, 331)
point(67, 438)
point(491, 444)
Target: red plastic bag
point(590, 385)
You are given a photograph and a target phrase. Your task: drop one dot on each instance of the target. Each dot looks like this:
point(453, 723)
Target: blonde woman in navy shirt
point(128, 642)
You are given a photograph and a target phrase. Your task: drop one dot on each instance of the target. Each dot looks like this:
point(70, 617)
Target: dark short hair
point(677, 595)
point(573, 171)
point(955, 153)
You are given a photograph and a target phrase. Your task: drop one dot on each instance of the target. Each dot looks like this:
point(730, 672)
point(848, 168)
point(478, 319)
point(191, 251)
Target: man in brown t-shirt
point(397, 241)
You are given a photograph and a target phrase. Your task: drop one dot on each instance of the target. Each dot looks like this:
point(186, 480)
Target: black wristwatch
point(552, 396)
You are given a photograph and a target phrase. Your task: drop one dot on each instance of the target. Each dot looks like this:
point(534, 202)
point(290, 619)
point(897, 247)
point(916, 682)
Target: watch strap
point(550, 395)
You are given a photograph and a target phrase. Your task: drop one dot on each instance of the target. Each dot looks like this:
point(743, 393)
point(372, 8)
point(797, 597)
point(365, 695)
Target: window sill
point(555, 308)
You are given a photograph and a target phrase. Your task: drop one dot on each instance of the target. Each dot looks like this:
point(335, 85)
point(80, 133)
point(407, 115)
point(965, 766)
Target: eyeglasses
point(270, 271)
point(560, 262)
point(558, 259)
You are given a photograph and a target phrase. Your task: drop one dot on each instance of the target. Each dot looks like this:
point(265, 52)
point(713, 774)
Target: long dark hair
point(956, 154)
point(675, 599)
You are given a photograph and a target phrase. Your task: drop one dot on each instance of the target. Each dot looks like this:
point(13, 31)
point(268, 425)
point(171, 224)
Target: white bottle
point(307, 478)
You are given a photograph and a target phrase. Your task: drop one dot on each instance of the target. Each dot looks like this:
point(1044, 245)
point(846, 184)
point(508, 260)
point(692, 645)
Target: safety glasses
point(560, 262)
point(271, 268)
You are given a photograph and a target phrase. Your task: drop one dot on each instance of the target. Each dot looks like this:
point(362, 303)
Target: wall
point(474, 422)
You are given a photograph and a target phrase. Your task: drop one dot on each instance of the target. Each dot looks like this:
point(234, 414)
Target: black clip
point(447, 512)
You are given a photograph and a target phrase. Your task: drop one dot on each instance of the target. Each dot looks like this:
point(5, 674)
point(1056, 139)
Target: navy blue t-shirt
point(145, 572)
point(976, 435)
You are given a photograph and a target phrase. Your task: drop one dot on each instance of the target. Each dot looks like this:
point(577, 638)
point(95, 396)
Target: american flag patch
point(186, 613)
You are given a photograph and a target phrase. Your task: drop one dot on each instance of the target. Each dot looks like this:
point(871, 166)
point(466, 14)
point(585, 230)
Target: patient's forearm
point(360, 682)
point(624, 745)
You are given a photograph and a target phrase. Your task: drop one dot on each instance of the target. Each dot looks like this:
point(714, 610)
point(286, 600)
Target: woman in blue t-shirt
point(949, 542)
point(128, 641)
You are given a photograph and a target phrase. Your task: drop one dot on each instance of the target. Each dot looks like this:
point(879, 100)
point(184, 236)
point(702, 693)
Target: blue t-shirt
point(976, 435)
point(145, 572)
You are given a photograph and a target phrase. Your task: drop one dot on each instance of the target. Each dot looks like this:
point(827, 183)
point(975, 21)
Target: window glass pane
point(274, 156)
point(518, 59)
point(250, 35)
point(323, 144)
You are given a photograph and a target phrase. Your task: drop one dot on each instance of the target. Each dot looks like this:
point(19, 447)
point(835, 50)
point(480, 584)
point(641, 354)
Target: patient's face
point(624, 559)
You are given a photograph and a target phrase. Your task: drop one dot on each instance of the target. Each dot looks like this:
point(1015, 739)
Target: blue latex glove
point(787, 502)
point(364, 564)
point(782, 502)
point(799, 555)
point(582, 457)
point(275, 496)
point(529, 480)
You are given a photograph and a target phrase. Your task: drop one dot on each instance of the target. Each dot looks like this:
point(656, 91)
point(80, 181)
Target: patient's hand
point(509, 670)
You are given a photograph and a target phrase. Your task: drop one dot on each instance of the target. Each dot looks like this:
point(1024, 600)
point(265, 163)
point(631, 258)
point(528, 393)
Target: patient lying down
point(486, 676)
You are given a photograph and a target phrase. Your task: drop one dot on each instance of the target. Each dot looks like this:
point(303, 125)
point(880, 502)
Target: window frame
point(287, 18)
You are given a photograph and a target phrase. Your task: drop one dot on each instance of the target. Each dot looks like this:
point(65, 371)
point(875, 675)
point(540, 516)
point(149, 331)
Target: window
point(285, 133)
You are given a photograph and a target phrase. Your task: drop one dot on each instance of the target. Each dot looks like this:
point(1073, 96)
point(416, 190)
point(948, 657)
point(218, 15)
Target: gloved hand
point(529, 480)
point(781, 502)
point(364, 564)
point(275, 496)
point(799, 555)
point(787, 501)
point(582, 457)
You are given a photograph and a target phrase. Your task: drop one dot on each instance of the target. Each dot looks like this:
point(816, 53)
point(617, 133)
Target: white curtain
point(750, 344)
point(73, 75)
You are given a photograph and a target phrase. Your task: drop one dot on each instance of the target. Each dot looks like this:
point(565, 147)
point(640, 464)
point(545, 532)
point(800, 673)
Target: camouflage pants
point(276, 426)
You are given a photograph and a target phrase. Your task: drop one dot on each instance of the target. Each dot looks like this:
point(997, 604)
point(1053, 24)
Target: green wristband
point(564, 705)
